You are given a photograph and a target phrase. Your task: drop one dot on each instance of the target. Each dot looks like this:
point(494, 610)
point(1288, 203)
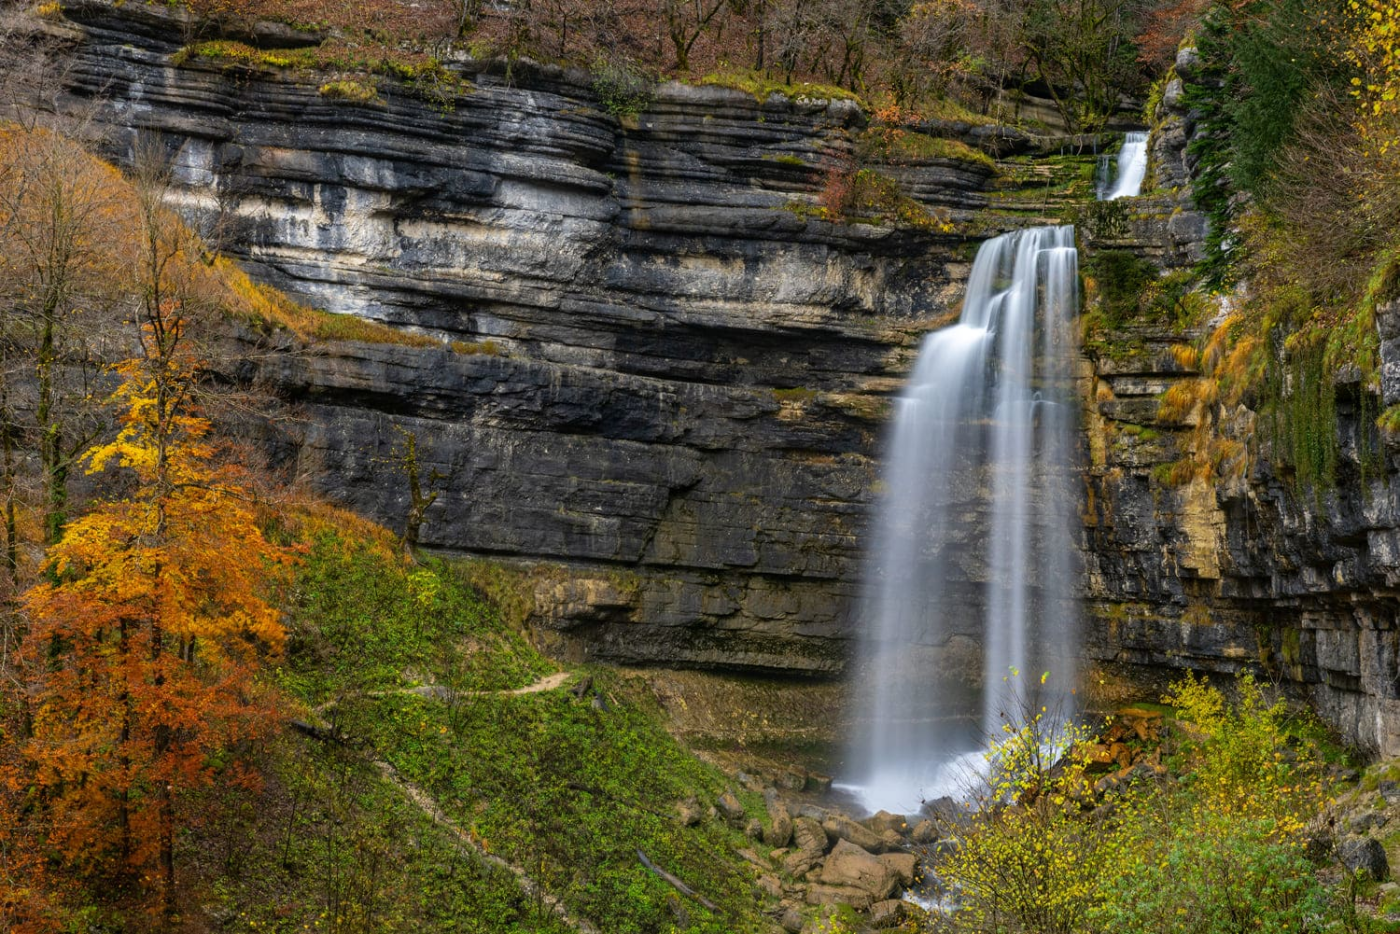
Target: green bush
point(622, 91)
point(1212, 845)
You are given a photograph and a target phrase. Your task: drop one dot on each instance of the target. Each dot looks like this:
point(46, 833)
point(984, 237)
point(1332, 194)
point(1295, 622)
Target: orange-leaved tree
point(145, 642)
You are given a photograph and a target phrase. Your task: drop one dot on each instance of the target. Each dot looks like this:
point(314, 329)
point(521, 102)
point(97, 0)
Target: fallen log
point(675, 883)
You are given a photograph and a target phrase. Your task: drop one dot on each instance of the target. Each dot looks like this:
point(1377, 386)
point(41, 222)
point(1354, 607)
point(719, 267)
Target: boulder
point(779, 830)
point(1318, 844)
point(839, 827)
point(791, 781)
point(1188, 62)
point(1366, 821)
point(884, 820)
point(943, 810)
point(850, 866)
point(754, 829)
point(730, 808)
point(903, 865)
point(791, 921)
point(770, 885)
point(810, 841)
point(689, 812)
point(820, 784)
point(889, 913)
point(1366, 856)
point(924, 832)
point(891, 841)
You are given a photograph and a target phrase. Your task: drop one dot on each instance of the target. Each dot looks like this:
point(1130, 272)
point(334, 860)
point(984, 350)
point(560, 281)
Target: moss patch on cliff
point(865, 196)
point(418, 72)
point(269, 310)
point(901, 146)
point(763, 86)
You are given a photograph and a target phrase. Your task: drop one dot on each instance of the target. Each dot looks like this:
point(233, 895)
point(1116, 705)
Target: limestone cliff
point(1252, 572)
point(652, 369)
point(656, 373)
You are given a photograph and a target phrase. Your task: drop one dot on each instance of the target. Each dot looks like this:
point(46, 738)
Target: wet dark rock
point(889, 913)
point(1366, 821)
point(1364, 856)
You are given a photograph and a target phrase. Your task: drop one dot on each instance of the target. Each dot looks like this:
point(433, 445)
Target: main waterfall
point(969, 594)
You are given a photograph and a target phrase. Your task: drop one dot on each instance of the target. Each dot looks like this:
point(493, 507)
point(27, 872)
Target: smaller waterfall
point(1125, 180)
point(972, 571)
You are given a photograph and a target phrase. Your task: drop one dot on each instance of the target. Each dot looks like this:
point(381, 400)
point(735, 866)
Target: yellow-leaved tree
point(145, 641)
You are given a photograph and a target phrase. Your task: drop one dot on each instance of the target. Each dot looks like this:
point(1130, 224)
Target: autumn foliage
point(146, 645)
point(129, 664)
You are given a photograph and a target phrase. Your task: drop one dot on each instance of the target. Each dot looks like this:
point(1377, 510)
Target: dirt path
point(426, 803)
point(440, 692)
point(466, 842)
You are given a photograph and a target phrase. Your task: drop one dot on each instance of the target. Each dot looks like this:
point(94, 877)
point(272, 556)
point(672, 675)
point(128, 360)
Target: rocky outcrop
point(662, 377)
point(658, 367)
point(660, 370)
point(1252, 571)
point(1256, 572)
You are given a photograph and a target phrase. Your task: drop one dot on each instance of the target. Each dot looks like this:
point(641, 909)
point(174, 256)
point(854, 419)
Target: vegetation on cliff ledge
point(1294, 165)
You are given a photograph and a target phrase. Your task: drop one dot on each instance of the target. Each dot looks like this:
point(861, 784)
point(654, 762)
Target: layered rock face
point(652, 370)
point(1252, 572)
point(656, 375)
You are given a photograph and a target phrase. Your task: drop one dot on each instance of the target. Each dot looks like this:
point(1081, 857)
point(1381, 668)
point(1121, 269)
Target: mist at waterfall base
point(1123, 177)
point(970, 583)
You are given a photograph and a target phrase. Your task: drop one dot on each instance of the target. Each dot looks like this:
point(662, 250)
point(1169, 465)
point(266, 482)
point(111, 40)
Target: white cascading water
point(971, 577)
point(1130, 169)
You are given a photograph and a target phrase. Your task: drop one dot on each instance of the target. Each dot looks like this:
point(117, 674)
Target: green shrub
point(1121, 281)
point(1212, 846)
point(355, 92)
point(622, 91)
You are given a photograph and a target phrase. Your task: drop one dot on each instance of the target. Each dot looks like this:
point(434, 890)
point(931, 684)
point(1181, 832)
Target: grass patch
point(354, 92)
point(268, 310)
point(795, 395)
point(328, 845)
point(900, 146)
point(368, 619)
point(568, 787)
point(868, 197)
point(946, 108)
point(419, 72)
point(762, 87)
point(786, 158)
point(486, 348)
point(574, 791)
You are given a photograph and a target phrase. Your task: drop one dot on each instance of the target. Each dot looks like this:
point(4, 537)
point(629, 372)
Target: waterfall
point(971, 574)
point(1125, 181)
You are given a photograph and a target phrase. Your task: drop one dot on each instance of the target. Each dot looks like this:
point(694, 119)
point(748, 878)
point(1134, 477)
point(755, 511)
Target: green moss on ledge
point(900, 146)
point(352, 92)
point(422, 74)
point(762, 87)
